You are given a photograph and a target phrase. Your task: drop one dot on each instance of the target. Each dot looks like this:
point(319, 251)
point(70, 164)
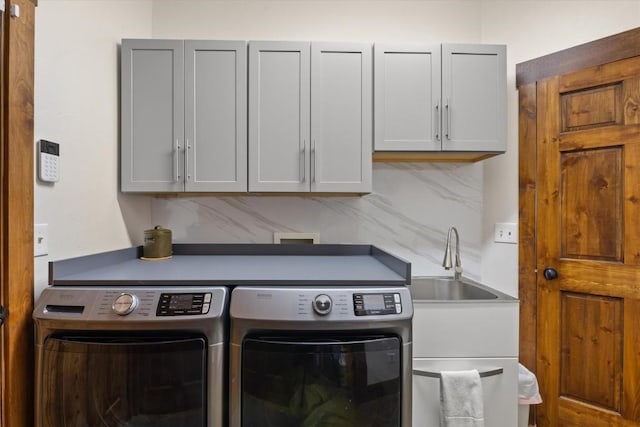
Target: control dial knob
point(124, 304)
point(322, 304)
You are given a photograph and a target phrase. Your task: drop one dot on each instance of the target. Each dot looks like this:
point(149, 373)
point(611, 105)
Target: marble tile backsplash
point(408, 214)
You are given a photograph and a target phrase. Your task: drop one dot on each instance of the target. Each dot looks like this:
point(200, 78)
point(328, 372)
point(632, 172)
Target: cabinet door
point(216, 116)
point(341, 110)
point(474, 97)
point(500, 391)
point(407, 98)
point(279, 91)
point(152, 115)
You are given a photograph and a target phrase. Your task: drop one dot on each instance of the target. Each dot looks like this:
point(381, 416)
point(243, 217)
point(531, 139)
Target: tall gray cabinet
point(449, 97)
point(183, 116)
point(310, 117)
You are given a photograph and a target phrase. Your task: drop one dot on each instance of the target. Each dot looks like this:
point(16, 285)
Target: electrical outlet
point(41, 239)
point(505, 232)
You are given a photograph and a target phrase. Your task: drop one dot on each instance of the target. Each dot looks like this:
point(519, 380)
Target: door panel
point(341, 117)
point(588, 346)
point(279, 115)
point(591, 330)
point(215, 115)
point(473, 97)
point(152, 115)
point(407, 98)
point(592, 182)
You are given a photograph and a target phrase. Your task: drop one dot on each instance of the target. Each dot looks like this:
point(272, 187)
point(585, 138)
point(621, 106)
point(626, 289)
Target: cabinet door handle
point(314, 162)
point(176, 162)
point(437, 122)
point(483, 374)
point(448, 114)
point(186, 160)
point(303, 161)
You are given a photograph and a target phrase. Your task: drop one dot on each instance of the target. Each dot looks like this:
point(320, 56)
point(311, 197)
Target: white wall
point(77, 103)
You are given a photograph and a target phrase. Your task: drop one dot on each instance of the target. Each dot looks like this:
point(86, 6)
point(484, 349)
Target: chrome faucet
point(446, 263)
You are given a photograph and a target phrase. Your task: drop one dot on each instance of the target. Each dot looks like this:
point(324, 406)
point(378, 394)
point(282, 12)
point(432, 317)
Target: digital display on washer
point(372, 304)
point(183, 304)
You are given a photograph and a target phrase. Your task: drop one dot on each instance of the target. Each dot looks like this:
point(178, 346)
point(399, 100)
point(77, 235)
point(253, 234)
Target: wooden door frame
point(16, 216)
point(599, 52)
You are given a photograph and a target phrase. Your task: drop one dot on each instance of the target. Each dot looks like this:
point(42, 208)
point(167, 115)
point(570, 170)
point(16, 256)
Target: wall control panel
point(48, 161)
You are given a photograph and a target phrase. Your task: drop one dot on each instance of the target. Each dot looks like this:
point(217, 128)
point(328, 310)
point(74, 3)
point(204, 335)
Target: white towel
point(461, 399)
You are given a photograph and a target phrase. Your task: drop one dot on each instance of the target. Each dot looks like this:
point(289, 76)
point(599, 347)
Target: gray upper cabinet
point(310, 117)
point(449, 98)
point(279, 116)
point(341, 117)
point(407, 98)
point(152, 115)
point(474, 93)
point(183, 116)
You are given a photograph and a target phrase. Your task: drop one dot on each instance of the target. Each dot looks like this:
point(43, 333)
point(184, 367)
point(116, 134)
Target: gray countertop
point(237, 265)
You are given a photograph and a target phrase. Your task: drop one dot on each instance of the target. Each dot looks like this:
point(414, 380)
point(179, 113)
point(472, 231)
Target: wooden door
point(588, 235)
point(16, 214)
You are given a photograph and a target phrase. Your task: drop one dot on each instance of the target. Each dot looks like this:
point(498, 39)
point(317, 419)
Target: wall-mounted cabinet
point(184, 116)
point(310, 109)
point(298, 116)
point(444, 102)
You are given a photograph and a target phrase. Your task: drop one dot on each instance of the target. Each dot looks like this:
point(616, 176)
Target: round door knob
point(124, 304)
point(322, 304)
point(550, 273)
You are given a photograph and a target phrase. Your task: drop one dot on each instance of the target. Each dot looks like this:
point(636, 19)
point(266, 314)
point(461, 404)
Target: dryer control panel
point(183, 304)
point(134, 304)
point(372, 304)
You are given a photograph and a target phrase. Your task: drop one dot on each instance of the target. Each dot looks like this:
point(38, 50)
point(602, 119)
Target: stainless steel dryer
point(315, 356)
point(131, 356)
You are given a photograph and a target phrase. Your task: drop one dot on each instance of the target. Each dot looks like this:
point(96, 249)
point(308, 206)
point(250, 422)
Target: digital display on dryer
point(183, 304)
point(373, 302)
point(377, 304)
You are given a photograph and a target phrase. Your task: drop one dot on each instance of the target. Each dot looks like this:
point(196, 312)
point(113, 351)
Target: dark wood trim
point(527, 224)
point(527, 275)
point(16, 218)
point(602, 51)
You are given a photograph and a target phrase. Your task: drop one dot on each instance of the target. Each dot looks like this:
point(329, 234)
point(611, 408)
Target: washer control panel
point(374, 304)
point(361, 305)
point(132, 304)
point(183, 304)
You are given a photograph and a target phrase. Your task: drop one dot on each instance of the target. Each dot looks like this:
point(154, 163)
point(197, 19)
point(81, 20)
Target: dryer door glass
point(123, 381)
point(321, 381)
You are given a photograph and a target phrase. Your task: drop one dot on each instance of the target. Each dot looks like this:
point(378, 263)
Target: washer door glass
point(329, 381)
point(123, 381)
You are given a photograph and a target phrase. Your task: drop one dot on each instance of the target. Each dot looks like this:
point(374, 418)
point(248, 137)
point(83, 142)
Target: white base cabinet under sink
point(464, 335)
point(500, 391)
